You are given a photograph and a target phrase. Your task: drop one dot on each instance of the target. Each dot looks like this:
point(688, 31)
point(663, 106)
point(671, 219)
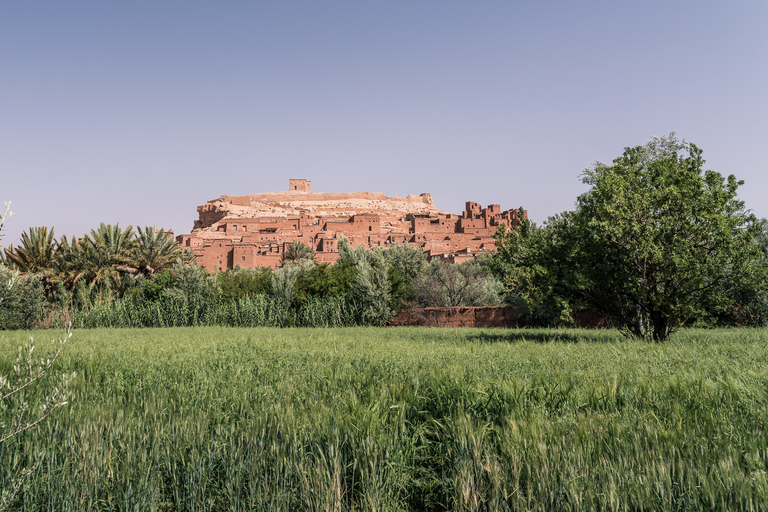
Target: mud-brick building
point(255, 230)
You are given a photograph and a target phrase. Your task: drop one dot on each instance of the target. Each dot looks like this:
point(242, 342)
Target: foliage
point(106, 248)
point(284, 287)
point(18, 389)
point(36, 255)
point(442, 284)
point(325, 281)
point(23, 302)
point(372, 287)
point(402, 419)
point(103, 258)
point(36, 252)
point(244, 282)
point(658, 236)
point(155, 250)
point(297, 251)
point(750, 303)
point(152, 288)
point(534, 264)
point(16, 413)
point(656, 242)
point(406, 260)
point(191, 283)
point(404, 264)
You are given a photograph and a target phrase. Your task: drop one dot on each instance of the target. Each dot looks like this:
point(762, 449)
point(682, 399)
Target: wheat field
point(406, 419)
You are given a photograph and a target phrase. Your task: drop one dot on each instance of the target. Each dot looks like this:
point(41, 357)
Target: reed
point(249, 311)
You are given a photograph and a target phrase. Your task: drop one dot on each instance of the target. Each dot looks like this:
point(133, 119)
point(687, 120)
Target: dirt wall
point(499, 316)
point(502, 316)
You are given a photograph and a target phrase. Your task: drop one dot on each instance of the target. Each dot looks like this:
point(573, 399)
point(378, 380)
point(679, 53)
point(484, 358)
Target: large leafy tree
point(657, 241)
point(534, 264)
point(750, 303)
point(657, 236)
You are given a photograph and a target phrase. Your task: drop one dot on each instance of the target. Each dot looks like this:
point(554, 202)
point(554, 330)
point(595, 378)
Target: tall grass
point(255, 311)
point(401, 419)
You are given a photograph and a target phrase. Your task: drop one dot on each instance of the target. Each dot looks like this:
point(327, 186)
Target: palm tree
point(298, 251)
point(36, 252)
point(36, 255)
point(155, 250)
point(103, 249)
point(72, 261)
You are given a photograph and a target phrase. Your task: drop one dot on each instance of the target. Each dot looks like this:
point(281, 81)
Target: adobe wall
point(500, 316)
point(300, 186)
point(497, 316)
point(308, 195)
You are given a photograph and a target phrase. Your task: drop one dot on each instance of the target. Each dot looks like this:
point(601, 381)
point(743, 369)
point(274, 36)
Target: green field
point(400, 419)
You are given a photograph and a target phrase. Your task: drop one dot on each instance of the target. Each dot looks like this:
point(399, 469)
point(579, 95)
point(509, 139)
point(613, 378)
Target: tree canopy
point(657, 241)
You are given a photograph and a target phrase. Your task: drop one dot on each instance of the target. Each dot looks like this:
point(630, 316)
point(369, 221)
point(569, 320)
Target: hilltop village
point(255, 230)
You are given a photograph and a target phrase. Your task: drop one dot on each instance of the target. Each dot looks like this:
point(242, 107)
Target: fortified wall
point(255, 230)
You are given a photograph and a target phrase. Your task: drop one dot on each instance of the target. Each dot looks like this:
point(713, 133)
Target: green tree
point(103, 252)
point(154, 251)
point(71, 261)
point(284, 285)
point(371, 288)
point(443, 284)
point(37, 254)
point(406, 260)
point(298, 251)
point(324, 281)
point(22, 301)
point(404, 264)
point(657, 241)
point(750, 303)
point(244, 282)
point(535, 266)
point(191, 284)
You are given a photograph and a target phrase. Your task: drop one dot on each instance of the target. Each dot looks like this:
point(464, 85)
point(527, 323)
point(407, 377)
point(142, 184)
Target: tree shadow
point(523, 335)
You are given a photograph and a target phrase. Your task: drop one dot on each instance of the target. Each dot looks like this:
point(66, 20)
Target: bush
point(24, 304)
point(244, 282)
point(443, 284)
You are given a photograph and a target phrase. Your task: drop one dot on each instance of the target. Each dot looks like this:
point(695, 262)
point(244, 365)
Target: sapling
point(16, 413)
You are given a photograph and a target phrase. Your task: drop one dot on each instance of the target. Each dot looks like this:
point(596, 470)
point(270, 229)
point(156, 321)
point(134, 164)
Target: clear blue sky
point(136, 112)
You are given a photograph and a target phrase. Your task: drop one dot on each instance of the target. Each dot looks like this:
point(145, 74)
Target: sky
point(137, 112)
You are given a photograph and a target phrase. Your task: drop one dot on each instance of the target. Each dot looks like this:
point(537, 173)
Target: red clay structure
point(255, 230)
